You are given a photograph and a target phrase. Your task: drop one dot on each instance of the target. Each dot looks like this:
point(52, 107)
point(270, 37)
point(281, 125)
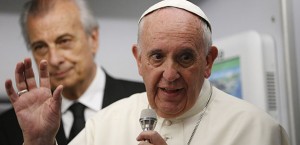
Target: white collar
point(92, 98)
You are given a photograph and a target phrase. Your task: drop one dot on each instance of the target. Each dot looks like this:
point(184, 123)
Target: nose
point(170, 72)
point(55, 57)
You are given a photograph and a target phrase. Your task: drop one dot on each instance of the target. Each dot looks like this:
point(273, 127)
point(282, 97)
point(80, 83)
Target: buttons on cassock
point(168, 122)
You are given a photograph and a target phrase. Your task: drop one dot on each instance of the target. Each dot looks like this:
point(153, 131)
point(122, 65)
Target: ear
point(94, 40)
point(210, 58)
point(137, 57)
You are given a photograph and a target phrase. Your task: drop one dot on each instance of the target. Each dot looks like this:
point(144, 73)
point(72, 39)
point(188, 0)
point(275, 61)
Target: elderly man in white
point(174, 55)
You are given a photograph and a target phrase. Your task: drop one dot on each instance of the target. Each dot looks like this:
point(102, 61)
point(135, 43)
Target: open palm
point(38, 110)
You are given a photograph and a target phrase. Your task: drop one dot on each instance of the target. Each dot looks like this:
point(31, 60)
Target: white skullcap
point(182, 4)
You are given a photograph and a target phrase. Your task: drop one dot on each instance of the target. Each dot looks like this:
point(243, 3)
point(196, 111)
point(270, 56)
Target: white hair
point(88, 20)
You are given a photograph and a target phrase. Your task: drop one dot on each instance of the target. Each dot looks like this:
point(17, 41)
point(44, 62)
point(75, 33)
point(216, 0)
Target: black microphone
point(148, 119)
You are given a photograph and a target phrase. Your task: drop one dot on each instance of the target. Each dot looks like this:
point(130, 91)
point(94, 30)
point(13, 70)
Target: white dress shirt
point(92, 98)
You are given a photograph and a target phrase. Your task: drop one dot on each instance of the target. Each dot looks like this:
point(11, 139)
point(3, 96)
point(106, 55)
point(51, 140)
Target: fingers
point(144, 143)
point(10, 91)
point(44, 74)
point(29, 75)
point(24, 75)
point(152, 136)
point(19, 76)
point(57, 98)
point(57, 93)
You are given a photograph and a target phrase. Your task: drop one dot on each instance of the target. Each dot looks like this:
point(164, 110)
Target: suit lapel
point(109, 91)
point(60, 136)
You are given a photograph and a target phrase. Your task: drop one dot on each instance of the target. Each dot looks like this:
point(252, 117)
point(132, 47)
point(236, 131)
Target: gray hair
point(204, 28)
point(35, 7)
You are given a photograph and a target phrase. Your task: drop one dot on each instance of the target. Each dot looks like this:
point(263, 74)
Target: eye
point(64, 41)
point(186, 59)
point(156, 58)
point(40, 48)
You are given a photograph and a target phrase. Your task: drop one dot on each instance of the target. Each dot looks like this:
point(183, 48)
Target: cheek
point(37, 59)
point(73, 54)
point(194, 78)
point(79, 50)
point(79, 61)
point(80, 56)
point(151, 77)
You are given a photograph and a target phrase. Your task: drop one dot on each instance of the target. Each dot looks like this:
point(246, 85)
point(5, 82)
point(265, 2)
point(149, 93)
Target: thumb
point(57, 97)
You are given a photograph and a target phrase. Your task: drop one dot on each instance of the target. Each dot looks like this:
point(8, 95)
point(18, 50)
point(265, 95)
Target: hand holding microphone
point(148, 122)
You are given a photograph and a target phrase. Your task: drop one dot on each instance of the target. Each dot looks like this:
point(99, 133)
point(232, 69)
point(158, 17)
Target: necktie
point(78, 113)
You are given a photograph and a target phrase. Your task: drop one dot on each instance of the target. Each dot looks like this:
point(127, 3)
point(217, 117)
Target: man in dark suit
point(65, 33)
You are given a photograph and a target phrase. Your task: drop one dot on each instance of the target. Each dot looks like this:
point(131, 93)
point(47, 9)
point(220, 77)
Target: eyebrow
point(157, 50)
point(36, 43)
point(42, 41)
point(64, 35)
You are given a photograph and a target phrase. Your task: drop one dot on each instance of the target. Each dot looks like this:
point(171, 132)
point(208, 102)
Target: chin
point(168, 114)
point(170, 111)
point(55, 83)
point(60, 82)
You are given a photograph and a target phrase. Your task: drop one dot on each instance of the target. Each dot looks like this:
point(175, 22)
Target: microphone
point(148, 119)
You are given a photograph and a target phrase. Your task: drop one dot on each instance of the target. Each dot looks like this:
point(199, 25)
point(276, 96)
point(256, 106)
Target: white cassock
point(226, 121)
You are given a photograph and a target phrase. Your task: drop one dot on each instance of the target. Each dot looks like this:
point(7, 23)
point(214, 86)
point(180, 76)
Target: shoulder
point(124, 83)
point(239, 109)
point(124, 106)
point(134, 84)
point(9, 128)
point(118, 118)
point(113, 118)
point(241, 119)
point(8, 116)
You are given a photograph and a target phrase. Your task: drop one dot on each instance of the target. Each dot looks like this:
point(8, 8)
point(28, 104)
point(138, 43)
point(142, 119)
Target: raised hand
point(37, 109)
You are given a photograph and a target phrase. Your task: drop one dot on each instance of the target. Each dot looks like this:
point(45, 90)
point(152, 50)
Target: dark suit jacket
point(115, 89)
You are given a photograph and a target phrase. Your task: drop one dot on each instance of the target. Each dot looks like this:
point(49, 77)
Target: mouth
point(171, 92)
point(60, 74)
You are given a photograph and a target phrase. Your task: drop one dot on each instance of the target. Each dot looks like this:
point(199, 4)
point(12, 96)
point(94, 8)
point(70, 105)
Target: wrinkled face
point(59, 37)
point(172, 60)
